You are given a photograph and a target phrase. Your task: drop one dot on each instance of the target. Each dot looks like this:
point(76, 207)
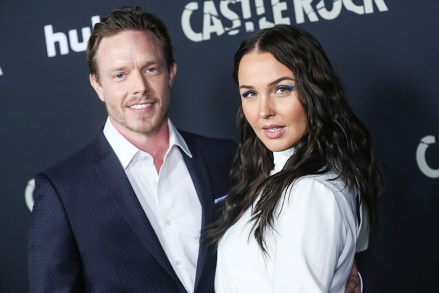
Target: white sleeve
point(363, 233)
point(316, 237)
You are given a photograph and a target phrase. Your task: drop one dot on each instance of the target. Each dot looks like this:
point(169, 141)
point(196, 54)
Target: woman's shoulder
point(328, 187)
point(330, 180)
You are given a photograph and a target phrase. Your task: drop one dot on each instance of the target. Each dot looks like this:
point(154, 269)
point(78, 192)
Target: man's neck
point(155, 143)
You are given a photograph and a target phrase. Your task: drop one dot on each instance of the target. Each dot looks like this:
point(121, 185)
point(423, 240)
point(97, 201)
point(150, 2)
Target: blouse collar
point(280, 158)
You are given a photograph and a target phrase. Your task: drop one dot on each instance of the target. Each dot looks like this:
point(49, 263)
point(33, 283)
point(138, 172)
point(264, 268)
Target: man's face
point(134, 81)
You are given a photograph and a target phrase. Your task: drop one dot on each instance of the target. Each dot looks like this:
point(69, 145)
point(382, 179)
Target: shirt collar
point(126, 151)
point(175, 138)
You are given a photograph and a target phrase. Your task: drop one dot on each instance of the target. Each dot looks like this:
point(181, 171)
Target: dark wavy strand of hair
point(336, 140)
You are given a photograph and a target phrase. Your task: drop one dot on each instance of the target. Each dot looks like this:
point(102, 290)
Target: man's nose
point(140, 84)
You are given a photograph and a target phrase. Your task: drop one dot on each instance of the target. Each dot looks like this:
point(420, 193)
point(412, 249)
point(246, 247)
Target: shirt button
point(168, 223)
point(178, 263)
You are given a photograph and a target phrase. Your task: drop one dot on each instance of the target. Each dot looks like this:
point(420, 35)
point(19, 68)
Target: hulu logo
point(71, 39)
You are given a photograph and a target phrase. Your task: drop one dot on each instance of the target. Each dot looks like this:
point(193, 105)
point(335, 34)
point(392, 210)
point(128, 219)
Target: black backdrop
point(385, 51)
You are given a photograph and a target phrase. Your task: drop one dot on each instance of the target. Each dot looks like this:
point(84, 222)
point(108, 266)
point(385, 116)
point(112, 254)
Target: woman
point(304, 165)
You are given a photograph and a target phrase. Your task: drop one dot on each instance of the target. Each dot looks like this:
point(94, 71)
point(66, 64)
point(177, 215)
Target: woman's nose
point(265, 108)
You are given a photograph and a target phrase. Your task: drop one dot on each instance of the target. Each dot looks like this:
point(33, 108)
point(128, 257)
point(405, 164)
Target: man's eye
point(152, 69)
point(119, 75)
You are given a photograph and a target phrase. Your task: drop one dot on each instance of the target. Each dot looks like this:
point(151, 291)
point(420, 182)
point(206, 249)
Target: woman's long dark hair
point(336, 140)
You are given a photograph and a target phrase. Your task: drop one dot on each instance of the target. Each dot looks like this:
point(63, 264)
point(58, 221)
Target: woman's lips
point(273, 131)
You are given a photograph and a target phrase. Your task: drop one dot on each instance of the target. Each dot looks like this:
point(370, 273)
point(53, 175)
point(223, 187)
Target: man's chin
point(149, 128)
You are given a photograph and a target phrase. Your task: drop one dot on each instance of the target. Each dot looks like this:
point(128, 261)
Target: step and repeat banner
point(385, 52)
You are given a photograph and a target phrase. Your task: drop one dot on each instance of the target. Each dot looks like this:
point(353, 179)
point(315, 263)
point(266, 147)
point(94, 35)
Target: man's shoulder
point(198, 140)
point(78, 160)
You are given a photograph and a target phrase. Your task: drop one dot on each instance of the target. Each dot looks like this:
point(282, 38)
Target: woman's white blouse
point(310, 249)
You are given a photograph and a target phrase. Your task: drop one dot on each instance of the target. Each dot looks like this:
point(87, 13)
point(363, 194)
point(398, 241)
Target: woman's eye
point(284, 89)
point(248, 94)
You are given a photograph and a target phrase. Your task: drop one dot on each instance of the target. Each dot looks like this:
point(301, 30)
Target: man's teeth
point(140, 107)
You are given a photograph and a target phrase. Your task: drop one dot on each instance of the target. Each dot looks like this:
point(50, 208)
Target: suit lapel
point(199, 174)
point(116, 183)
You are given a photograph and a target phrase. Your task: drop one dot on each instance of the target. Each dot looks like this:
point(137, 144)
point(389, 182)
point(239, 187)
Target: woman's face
point(270, 102)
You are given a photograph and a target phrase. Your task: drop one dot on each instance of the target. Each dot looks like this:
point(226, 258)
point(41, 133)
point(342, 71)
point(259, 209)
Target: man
point(124, 214)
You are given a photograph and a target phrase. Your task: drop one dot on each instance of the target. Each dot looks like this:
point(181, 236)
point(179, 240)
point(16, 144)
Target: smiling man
point(124, 214)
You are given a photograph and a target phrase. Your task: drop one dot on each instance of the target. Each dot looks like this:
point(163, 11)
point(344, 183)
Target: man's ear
point(172, 73)
point(97, 86)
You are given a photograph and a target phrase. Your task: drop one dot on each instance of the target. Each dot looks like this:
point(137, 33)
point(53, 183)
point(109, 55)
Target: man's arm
point(53, 258)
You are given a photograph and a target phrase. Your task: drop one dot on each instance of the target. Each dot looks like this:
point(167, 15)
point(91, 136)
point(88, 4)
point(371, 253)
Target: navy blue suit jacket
point(89, 233)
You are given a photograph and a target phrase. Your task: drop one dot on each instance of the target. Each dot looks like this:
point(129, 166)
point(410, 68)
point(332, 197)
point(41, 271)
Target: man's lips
point(142, 106)
point(273, 131)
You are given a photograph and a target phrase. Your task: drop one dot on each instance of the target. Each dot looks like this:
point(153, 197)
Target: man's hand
point(354, 281)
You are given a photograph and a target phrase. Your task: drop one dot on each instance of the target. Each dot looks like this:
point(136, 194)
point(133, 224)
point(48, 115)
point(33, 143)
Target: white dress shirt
point(310, 249)
point(169, 199)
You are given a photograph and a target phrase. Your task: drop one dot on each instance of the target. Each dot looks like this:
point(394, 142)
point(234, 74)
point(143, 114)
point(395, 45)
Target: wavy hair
point(336, 140)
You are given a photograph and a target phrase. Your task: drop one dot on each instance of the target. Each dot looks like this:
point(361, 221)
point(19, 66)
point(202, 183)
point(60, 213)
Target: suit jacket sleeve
point(53, 258)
